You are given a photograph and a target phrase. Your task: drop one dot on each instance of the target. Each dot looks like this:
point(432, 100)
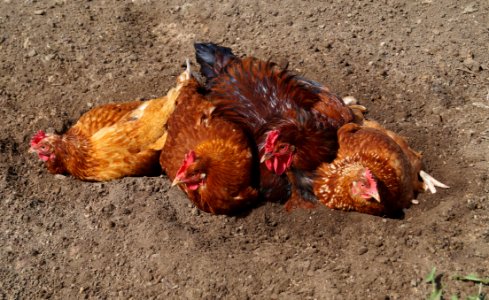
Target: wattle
point(44, 157)
point(279, 164)
point(193, 186)
point(269, 164)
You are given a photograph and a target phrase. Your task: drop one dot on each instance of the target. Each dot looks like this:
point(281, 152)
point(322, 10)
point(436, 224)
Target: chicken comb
point(370, 179)
point(187, 161)
point(39, 136)
point(271, 140)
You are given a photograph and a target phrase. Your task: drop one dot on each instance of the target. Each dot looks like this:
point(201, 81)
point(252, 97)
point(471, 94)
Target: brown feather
point(222, 150)
point(414, 157)
point(104, 115)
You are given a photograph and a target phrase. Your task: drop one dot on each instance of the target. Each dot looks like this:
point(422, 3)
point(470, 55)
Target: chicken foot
point(429, 183)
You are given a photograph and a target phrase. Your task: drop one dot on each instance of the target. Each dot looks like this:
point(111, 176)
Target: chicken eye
point(193, 173)
point(283, 148)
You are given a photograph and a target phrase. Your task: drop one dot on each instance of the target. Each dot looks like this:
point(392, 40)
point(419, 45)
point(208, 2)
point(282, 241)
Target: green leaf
point(454, 297)
point(473, 278)
point(431, 276)
point(435, 295)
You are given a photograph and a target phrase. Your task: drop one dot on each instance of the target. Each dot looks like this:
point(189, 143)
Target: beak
point(176, 181)
point(376, 196)
point(31, 150)
point(266, 157)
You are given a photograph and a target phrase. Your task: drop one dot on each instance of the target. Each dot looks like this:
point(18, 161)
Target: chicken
point(209, 158)
point(292, 120)
point(110, 141)
point(375, 172)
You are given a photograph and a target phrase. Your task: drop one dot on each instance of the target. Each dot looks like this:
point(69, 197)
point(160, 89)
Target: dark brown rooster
point(293, 120)
point(210, 158)
point(375, 172)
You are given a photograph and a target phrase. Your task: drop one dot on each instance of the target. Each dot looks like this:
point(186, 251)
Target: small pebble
point(195, 211)
point(362, 250)
point(31, 53)
point(40, 12)
point(414, 283)
point(471, 205)
point(470, 9)
point(48, 57)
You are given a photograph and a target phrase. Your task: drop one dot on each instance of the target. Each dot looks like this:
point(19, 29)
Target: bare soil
point(421, 67)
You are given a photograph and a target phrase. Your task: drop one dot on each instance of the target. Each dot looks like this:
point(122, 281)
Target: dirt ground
point(421, 68)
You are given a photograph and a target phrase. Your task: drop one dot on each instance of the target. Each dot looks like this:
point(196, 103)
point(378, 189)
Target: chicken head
point(41, 144)
point(191, 172)
point(277, 155)
point(365, 186)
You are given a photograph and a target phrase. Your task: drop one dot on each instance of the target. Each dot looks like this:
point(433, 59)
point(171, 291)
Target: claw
point(358, 107)
point(430, 183)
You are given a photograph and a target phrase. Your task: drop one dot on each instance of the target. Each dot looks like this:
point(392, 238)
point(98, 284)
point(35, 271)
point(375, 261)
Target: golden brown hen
point(110, 141)
point(375, 172)
point(209, 158)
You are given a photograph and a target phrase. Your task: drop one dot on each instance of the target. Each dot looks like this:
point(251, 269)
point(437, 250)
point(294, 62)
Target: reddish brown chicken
point(110, 141)
point(293, 120)
point(375, 172)
point(210, 158)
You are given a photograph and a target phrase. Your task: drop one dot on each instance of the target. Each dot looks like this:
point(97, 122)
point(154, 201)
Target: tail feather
point(212, 58)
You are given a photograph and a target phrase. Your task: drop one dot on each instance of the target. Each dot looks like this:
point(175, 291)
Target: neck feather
point(336, 179)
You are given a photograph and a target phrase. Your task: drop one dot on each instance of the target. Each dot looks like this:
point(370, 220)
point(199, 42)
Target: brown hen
point(375, 172)
point(209, 158)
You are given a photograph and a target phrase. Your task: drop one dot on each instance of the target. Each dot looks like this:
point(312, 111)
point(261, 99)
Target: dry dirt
point(421, 67)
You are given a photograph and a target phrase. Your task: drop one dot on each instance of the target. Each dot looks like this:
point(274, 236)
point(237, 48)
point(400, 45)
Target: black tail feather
point(212, 58)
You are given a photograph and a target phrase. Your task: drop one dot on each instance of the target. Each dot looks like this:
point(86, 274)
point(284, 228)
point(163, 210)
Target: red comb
point(370, 178)
point(188, 160)
point(271, 140)
point(39, 136)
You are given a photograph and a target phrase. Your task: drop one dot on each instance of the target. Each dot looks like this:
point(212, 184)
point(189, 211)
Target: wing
point(329, 104)
point(104, 116)
point(414, 157)
point(251, 92)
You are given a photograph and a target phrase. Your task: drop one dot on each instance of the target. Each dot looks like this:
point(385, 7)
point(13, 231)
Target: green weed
point(437, 290)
